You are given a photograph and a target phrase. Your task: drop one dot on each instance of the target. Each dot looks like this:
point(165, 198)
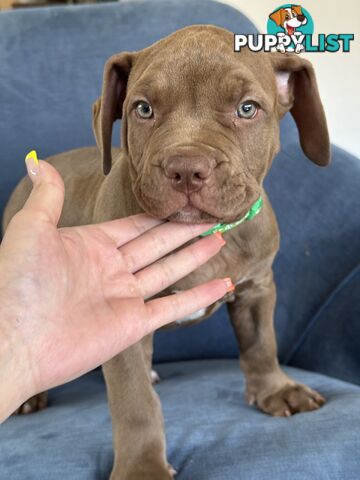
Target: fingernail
point(32, 164)
point(219, 236)
point(230, 287)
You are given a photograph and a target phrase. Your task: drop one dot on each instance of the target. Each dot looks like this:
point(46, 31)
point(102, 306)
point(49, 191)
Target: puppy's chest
point(230, 262)
point(204, 313)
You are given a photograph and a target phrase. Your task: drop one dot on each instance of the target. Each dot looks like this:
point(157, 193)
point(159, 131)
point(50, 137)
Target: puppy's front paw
point(291, 399)
point(34, 404)
point(142, 472)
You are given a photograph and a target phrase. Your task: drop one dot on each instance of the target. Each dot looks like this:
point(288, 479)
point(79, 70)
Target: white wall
point(338, 73)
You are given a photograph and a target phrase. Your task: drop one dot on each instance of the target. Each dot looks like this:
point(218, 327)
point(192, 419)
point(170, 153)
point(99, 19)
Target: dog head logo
point(290, 23)
point(289, 18)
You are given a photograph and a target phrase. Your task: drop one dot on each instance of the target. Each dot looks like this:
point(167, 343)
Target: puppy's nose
point(187, 174)
point(301, 18)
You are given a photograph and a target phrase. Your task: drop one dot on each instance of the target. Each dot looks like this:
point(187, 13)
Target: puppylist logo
point(290, 28)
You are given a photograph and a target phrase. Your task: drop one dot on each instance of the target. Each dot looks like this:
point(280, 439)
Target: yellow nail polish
point(32, 164)
point(33, 156)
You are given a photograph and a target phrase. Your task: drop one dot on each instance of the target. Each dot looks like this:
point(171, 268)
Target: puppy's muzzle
point(188, 174)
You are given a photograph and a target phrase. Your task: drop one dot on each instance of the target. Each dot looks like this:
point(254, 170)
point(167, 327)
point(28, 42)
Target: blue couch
point(51, 63)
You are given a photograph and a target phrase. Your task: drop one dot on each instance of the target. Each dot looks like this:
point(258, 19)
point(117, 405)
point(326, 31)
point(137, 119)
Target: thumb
point(47, 195)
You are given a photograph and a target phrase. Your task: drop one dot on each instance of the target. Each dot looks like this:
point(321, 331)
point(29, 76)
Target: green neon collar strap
point(224, 227)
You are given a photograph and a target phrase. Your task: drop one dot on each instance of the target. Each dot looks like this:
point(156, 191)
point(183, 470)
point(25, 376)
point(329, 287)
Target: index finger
point(158, 242)
point(126, 229)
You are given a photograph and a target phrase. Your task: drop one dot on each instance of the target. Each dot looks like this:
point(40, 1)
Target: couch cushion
point(330, 342)
point(212, 433)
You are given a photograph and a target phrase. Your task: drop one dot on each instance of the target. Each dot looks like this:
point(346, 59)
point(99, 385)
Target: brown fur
point(194, 81)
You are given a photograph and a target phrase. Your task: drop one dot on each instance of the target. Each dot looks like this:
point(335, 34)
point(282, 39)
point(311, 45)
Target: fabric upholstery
point(212, 433)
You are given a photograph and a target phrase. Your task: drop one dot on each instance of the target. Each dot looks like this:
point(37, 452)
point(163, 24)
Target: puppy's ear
point(108, 108)
point(276, 16)
point(299, 94)
point(297, 9)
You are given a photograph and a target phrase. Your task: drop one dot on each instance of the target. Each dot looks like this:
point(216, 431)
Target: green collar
point(224, 227)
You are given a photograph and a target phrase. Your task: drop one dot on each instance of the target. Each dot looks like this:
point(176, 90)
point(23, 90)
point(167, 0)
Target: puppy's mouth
point(205, 206)
point(191, 214)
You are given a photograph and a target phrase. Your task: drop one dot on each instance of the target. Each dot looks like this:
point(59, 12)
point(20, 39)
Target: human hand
point(72, 298)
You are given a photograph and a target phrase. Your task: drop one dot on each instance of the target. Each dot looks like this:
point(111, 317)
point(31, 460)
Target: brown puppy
point(200, 128)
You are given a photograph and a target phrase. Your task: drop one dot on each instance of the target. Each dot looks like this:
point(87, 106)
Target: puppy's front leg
point(267, 385)
point(138, 433)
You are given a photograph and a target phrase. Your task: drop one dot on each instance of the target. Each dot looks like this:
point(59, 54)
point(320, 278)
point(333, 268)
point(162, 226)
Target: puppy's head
point(289, 18)
point(200, 123)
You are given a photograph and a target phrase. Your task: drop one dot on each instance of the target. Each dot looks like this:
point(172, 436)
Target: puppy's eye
point(144, 110)
point(247, 109)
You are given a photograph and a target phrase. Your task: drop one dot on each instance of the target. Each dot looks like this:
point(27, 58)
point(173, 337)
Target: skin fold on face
point(195, 158)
